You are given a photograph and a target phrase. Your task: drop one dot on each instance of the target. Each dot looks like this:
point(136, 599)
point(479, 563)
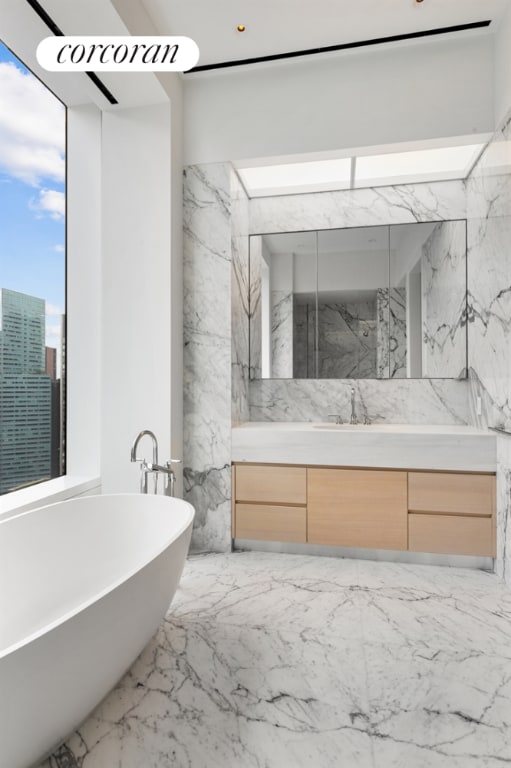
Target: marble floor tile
point(246, 588)
point(438, 707)
point(206, 694)
point(284, 661)
point(403, 615)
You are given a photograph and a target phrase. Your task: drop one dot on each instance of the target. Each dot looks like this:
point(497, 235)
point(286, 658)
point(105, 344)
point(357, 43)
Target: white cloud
point(54, 330)
point(52, 310)
point(53, 335)
point(50, 202)
point(32, 120)
point(59, 248)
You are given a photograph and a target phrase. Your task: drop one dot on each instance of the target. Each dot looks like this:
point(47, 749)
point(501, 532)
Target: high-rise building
point(51, 363)
point(63, 390)
point(25, 392)
point(51, 371)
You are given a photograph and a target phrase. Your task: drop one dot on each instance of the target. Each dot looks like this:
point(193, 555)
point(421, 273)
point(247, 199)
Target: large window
point(32, 278)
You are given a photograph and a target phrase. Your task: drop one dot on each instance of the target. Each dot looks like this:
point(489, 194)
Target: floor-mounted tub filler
point(84, 585)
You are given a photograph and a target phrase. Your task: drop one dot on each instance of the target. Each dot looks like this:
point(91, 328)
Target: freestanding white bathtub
point(84, 585)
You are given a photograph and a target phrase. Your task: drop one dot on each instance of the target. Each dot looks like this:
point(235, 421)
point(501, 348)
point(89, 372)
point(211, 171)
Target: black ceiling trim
point(44, 16)
point(342, 46)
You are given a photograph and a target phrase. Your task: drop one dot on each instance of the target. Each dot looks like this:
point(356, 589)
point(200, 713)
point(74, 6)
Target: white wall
point(281, 272)
point(124, 225)
point(503, 69)
point(351, 99)
point(174, 87)
point(83, 290)
point(355, 271)
point(406, 243)
point(138, 22)
point(136, 289)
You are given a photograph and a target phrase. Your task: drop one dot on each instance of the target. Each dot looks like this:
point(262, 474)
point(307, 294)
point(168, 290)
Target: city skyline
point(30, 413)
point(32, 191)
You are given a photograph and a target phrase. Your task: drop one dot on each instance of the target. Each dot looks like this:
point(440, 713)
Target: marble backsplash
point(434, 401)
point(401, 401)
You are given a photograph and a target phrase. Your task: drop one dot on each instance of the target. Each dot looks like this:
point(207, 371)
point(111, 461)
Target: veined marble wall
point(282, 334)
point(347, 339)
point(239, 301)
point(395, 401)
point(215, 344)
point(391, 332)
point(413, 400)
point(401, 204)
point(444, 306)
point(489, 314)
point(304, 335)
point(218, 218)
point(255, 246)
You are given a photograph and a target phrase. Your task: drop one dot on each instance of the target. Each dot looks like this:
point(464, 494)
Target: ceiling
point(281, 26)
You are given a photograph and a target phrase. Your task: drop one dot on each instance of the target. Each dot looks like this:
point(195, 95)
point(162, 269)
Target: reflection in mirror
point(283, 270)
point(353, 276)
point(367, 302)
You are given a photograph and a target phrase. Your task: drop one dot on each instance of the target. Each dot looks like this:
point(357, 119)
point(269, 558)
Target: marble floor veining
point(284, 661)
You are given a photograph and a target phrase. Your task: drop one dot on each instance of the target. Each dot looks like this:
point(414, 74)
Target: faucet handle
point(336, 416)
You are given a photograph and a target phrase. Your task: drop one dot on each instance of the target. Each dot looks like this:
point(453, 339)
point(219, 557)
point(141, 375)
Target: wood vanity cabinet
point(422, 511)
point(451, 513)
point(357, 508)
point(270, 503)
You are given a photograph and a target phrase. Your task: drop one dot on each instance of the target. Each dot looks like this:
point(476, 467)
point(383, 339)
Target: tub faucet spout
point(145, 468)
point(138, 439)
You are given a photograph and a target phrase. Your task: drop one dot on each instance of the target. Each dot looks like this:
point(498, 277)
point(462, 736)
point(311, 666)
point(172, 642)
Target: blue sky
point(32, 186)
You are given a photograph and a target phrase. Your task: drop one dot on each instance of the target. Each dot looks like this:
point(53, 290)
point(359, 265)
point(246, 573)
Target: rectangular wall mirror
point(360, 303)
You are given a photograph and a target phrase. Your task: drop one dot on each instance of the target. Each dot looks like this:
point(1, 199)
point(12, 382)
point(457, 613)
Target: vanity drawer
point(456, 493)
point(268, 522)
point(274, 484)
point(451, 534)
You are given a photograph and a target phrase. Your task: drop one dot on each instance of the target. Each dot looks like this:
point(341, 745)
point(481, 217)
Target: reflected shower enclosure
point(367, 302)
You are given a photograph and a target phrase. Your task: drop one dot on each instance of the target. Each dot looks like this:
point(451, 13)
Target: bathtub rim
point(179, 531)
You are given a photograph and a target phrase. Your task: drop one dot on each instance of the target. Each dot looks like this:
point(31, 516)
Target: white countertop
point(406, 446)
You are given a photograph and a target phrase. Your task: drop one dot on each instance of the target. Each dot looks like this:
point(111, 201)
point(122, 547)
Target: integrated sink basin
point(400, 446)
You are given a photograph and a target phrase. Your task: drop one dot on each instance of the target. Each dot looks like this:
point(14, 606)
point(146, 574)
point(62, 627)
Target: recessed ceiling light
point(242, 27)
